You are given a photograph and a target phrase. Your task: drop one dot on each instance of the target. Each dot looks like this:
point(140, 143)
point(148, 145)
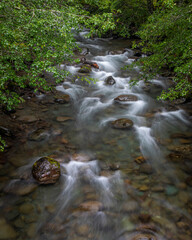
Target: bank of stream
point(120, 180)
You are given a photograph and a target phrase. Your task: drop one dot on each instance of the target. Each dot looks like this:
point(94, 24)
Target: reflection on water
point(115, 184)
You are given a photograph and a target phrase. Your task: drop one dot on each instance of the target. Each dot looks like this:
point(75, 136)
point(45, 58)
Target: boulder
point(46, 170)
point(122, 123)
point(110, 81)
point(62, 98)
point(38, 135)
point(126, 98)
point(85, 69)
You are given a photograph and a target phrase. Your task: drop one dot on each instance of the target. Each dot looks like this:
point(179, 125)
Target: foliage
point(36, 35)
point(2, 144)
point(129, 15)
point(166, 37)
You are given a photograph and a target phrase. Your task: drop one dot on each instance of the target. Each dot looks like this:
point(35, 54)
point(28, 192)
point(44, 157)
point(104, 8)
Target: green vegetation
point(166, 37)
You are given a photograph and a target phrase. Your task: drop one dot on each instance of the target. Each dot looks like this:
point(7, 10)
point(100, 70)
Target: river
point(115, 184)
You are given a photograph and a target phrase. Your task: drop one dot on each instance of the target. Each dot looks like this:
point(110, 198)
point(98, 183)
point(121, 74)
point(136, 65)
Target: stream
point(115, 184)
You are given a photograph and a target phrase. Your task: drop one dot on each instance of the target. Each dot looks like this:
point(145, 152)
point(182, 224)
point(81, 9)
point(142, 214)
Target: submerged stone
point(46, 170)
point(38, 135)
point(62, 98)
point(122, 123)
point(126, 98)
point(7, 231)
point(171, 190)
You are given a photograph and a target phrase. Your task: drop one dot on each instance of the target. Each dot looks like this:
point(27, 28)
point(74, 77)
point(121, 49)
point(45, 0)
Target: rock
point(146, 168)
point(110, 81)
point(126, 98)
point(171, 190)
point(28, 118)
point(63, 119)
point(5, 132)
point(7, 231)
point(21, 188)
point(144, 217)
point(12, 213)
point(122, 123)
point(93, 206)
point(26, 208)
point(31, 231)
point(144, 188)
point(175, 157)
point(38, 135)
point(189, 181)
point(113, 166)
point(85, 69)
point(84, 51)
point(140, 160)
point(82, 230)
point(81, 157)
point(144, 236)
point(62, 98)
point(46, 170)
point(130, 206)
point(50, 208)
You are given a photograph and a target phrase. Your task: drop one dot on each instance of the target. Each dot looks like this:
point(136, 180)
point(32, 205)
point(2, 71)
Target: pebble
point(171, 190)
point(26, 208)
point(7, 231)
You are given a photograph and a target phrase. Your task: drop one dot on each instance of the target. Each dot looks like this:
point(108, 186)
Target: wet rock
point(130, 206)
point(84, 51)
point(38, 135)
point(157, 189)
point(94, 206)
point(122, 123)
point(146, 168)
point(81, 157)
point(46, 170)
point(189, 181)
point(145, 217)
point(144, 236)
point(110, 81)
point(50, 208)
point(140, 160)
point(113, 166)
point(171, 190)
point(62, 98)
point(63, 119)
point(7, 231)
point(5, 132)
point(82, 230)
point(126, 98)
point(28, 118)
point(26, 208)
point(175, 157)
point(181, 135)
point(19, 223)
point(143, 188)
point(12, 213)
point(31, 231)
point(21, 188)
point(85, 69)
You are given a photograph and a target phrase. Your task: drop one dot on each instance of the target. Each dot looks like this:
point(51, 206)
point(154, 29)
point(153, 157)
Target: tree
point(167, 37)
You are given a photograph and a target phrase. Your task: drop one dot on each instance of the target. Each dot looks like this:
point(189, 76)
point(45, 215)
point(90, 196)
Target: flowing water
point(115, 184)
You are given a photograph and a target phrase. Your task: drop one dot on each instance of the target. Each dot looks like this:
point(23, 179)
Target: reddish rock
point(46, 170)
point(123, 123)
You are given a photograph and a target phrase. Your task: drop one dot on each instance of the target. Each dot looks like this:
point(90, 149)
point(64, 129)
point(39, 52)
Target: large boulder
point(46, 170)
point(126, 98)
point(110, 80)
point(122, 123)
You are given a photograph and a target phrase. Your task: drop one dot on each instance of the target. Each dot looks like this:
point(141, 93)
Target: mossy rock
point(122, 123)
point(46, 170)
point(86, 69)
